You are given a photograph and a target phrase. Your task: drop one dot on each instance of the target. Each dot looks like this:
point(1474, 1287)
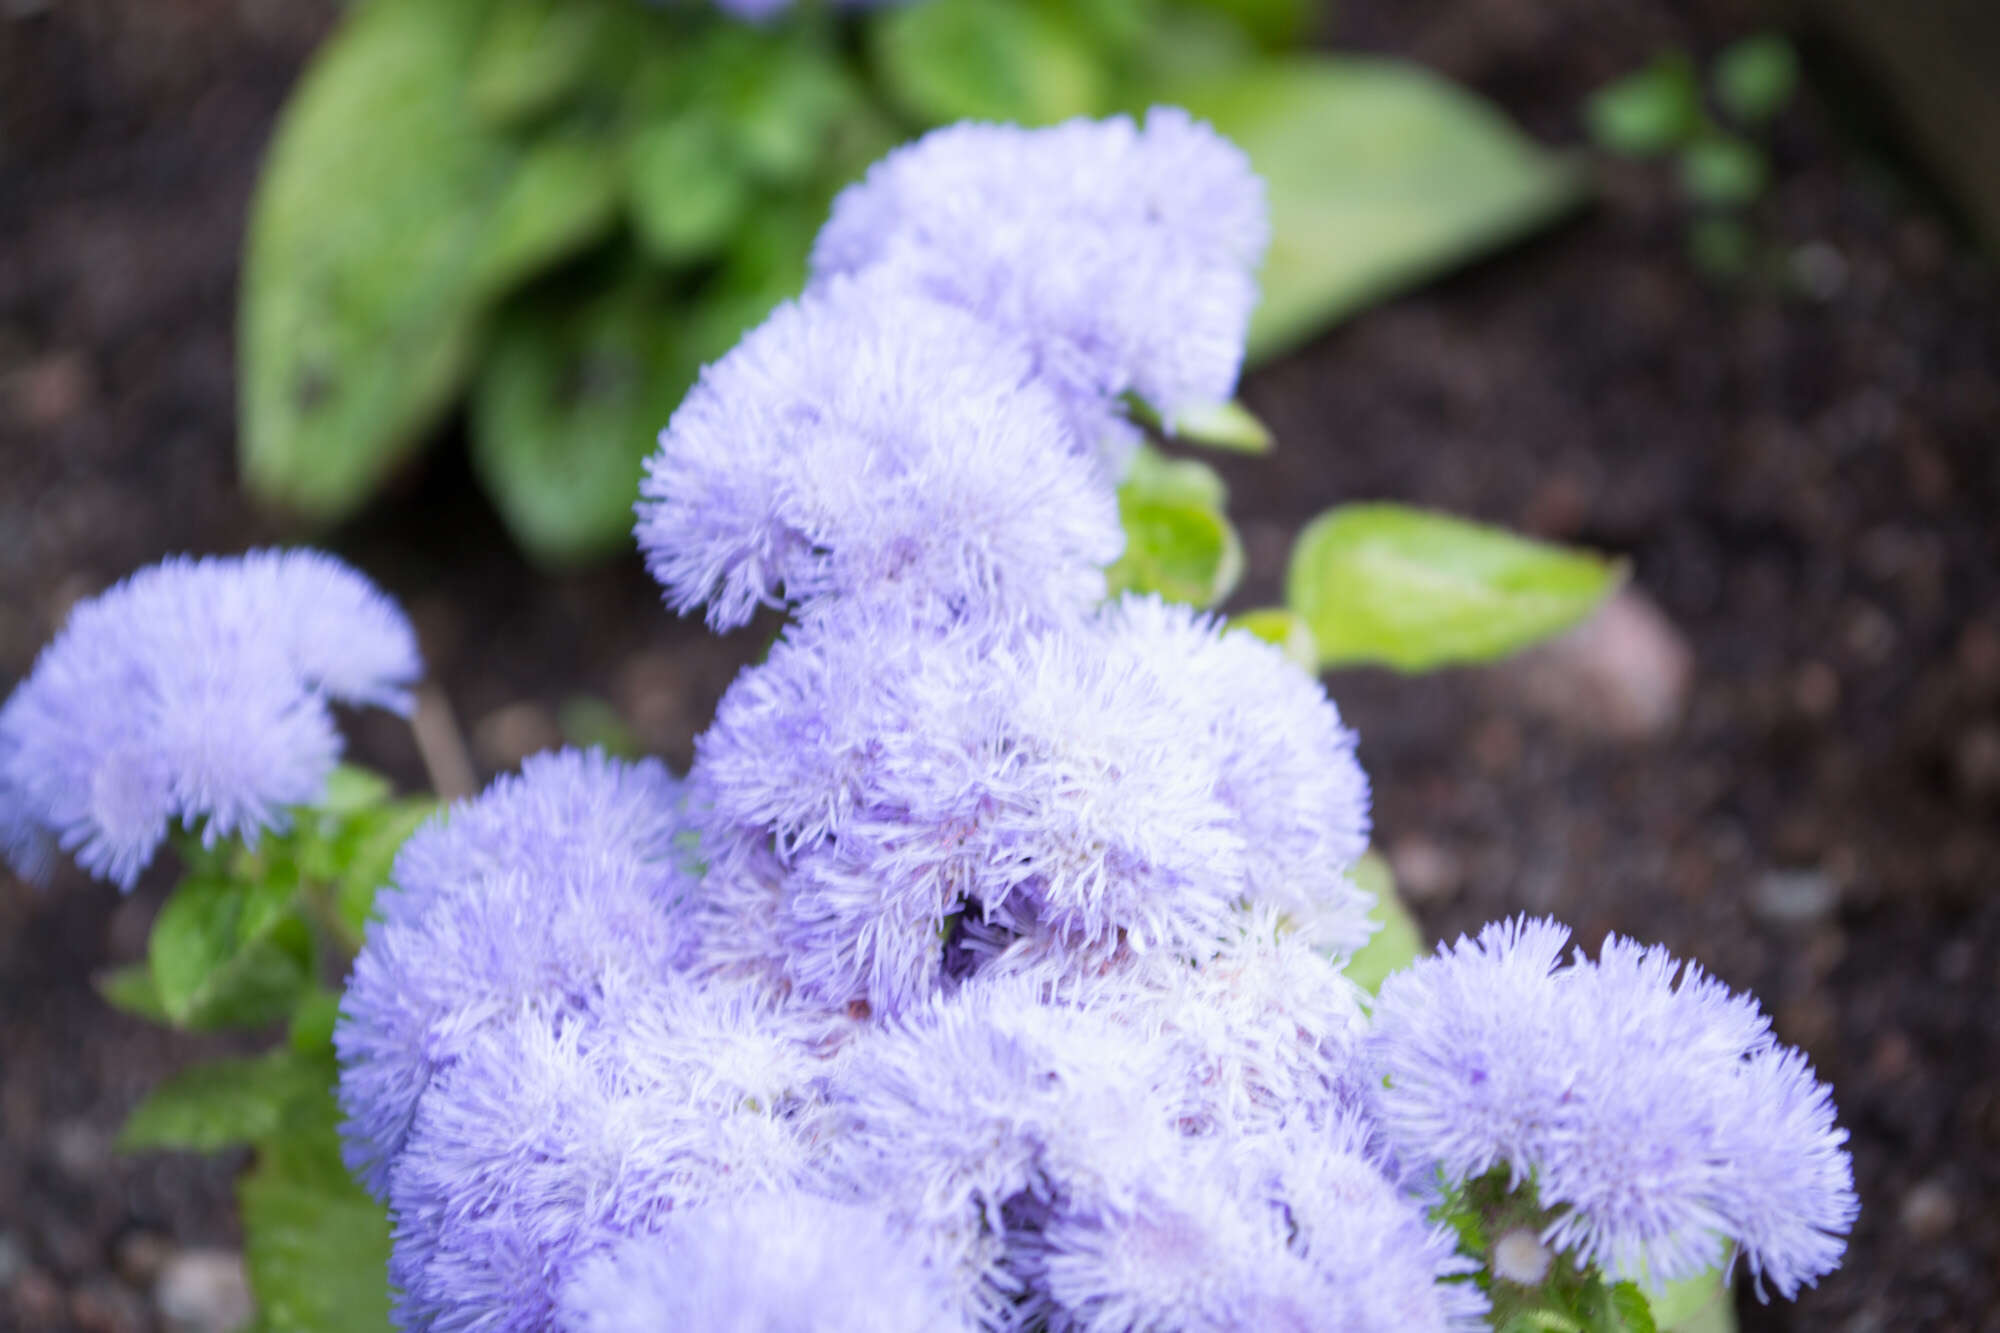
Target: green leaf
point(1650, 112)
point(351, 789)
point(1228, 426)
point(1756, 76)
point(364, 851)
point(1397, 941)
point(1003, 60)
point(315, 1243)
point(686, 190)
point(311, 1029)
point(531, 55)
point(1701, 1304)
point(779, 99)
point(225, 954)
point(1723, 171)
point(588, 721)
point(1416, 590)
point(130, 989)
point(1628, 1305)
point(1184, 552)
point(1286, 628)
point(388, 218)
point(1379, 175)
point(566, 408)
point(1274, 23)
point(1153, 475)
point(226, 1102)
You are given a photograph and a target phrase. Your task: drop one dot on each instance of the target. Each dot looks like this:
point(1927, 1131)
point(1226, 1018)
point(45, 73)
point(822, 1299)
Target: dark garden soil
point(1800, 466)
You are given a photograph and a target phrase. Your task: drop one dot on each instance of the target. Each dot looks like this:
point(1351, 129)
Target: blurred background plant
point(1661, 111)
point(555, 211)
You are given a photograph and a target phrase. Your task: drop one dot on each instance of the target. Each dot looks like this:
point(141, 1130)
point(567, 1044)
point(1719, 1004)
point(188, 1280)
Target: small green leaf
point(365, 850)
point(1628, 1305)
point(226, 1102)
point(351, 788)
point(1415, 590)
point(1650, 112)
point(686, 191)
point(1379, 175)
point(1228, 426)
point(531, 55)
point(1287, 629)
point(1002, 60)
point(315, 1243)
point(223, 954)
point(1152, 475)
point(311, 1029)
point(130, 989)
point(1756, 76)
point(1723, 171)
point(566, 408)
point(1397, 941)
point(1184, 552)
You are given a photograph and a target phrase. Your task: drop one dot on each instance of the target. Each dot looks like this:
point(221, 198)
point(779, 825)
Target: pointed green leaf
point(1629, 1307)
point(567, 406)
point(1379, 175)
point(1152, 475)
point(228, 954)
point(1415, 590)
point(226, 1102)
point(1229, 426)
point(131, 990)
point(686, 191)
point(365, 850)
point(531, 55)
point(388, 217)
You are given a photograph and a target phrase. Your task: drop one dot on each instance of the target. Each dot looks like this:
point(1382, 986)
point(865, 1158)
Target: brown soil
point(1802, 474)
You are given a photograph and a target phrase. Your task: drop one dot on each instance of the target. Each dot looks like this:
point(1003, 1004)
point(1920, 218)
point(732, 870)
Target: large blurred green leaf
point(1380, 174)
point(389, 216)
point(1703, 1304)
point(227, 1102)
point(532, 54)
point(317, 1246)
point(566, 408)
point(1006, 60)
point(1412, 589)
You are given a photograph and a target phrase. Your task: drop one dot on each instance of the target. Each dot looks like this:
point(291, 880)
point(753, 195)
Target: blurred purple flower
point(193, 691)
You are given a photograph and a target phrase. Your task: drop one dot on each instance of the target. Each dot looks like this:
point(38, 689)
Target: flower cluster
point(984, 970)
point(195, 691)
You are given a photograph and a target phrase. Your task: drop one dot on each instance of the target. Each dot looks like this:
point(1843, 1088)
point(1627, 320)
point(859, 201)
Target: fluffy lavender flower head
point(1283, 1232)
point(534, 893)
point(1287, 767)
point(195, 690)
point(557, 1133)
point(893, 779)
point(1654, 1110)
point(1125, 255)
point(765, 1263)
point(867, 441)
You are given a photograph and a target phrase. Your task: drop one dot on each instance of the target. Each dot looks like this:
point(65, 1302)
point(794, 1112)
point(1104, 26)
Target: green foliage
point(315, 1243)
point(1229, 426)
point(1756, 77)
point(1286, 628)
point(1397, 941)
point(1179, 542)
point(228, 1102)
point(1379, 175)
point(446, 166)
point(1406, 588)
point(1654, 111)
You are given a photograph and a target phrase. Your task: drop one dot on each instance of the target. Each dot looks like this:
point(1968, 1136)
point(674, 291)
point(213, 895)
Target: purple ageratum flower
point(1274, 1232)
point(197, 691)
point(1657, 1114)
point(1287, 765)
point(1043, 780)
point(557, 1134)
point(537, 892)
point(1125, 255)
point(866, 441)
point(764, 1263)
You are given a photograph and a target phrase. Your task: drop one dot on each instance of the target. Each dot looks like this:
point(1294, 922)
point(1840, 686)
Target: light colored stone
point(1929, 1212)
point(204, 1291)
point(1794, 899)
point(1623, 674)
point(1426, 872)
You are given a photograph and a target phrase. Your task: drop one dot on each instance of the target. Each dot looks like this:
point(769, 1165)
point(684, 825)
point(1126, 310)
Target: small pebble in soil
point(140, 1255)
point(79, 1149)
point(1976, 762)
point(1624, 674)
point(1929, 1212)
point(203, 1291)
point(1425, 871)
point(512, 732)
point(1794, 899)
